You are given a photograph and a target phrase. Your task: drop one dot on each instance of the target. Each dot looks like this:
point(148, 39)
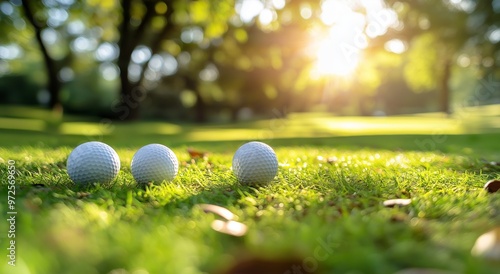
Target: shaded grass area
point(323, 213)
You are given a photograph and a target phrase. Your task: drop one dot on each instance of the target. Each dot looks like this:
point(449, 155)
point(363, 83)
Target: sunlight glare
point(333, 59)
point(333, 11)
point(372, 4)
point(266, 17)
point(305, 11)
point(249, 9)
point(395, 46)
point(279, 4)
point(339, 51)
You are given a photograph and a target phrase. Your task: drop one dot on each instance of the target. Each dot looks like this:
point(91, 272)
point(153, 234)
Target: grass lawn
point(323, 213)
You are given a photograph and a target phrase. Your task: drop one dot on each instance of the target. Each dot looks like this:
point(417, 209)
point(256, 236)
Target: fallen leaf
point(81, 195)
point(397, 202)
point(492, 186)
point(218, 210)
point(487, 246)
point(398, 218)
point(331, 160)
point(196, 153)
point(229, 227)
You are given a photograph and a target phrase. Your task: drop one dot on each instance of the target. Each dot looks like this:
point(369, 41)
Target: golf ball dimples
point(154, 163)
point(93, 162)
point(255, 163)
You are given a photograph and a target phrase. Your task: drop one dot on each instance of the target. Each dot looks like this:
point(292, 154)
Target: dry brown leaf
point(331, 160)
point(487, 246)
point(398, 218)
point(81, 195)
point(229, 227)
point(397, 202)
point(218, 210)
point(196, 153)
point(492, 186)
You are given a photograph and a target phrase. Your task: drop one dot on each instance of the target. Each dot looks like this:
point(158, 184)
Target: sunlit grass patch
point(327, 198)
point(144, 128)
point(84, 128)
point(22, 124)
point(391, 125)
point(29, 112)
point(294, 125)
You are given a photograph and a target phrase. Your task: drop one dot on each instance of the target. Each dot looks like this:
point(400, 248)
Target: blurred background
point(232, 60)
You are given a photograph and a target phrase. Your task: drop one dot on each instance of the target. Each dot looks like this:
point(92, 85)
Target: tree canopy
point(197, 59)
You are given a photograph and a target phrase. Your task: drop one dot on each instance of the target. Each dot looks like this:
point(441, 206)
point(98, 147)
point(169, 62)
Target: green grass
point(313, 213)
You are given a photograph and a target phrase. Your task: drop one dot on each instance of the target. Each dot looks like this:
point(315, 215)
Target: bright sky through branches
point(339, 49)
point(338, 46)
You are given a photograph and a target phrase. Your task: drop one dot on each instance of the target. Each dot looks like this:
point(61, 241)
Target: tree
point(51, 65)
point(485, 35)
point(211, 16)
point(264, 59)
point(438, 31)
point(129, 39)
point(154, 25)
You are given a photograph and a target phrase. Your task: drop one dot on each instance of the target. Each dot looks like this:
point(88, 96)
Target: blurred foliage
point(440, 33)
point(25, 90)
point(211, 60)
point(419, 71)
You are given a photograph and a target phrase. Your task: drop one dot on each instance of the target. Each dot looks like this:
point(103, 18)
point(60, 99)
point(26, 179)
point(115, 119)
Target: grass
point(319, 215)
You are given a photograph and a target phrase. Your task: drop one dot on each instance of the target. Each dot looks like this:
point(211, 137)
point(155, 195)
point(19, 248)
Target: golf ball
point(154, 163)
point(255, 163)
point(93, 162)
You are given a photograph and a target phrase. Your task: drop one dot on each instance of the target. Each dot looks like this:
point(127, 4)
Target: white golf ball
point(255, 163)
point(93, 162)
point(154, 163)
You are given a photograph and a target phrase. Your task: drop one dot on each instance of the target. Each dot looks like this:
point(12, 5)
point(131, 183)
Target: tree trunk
point(445, 88)
point(362, 106)
point(200, 106)
point(131, 94)
point(201, 109)
point(234, 113)
point(128, 108)
point(53, 85)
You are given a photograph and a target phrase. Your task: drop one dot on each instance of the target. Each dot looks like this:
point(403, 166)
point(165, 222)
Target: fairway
point(323, 213)
point(249, 137)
